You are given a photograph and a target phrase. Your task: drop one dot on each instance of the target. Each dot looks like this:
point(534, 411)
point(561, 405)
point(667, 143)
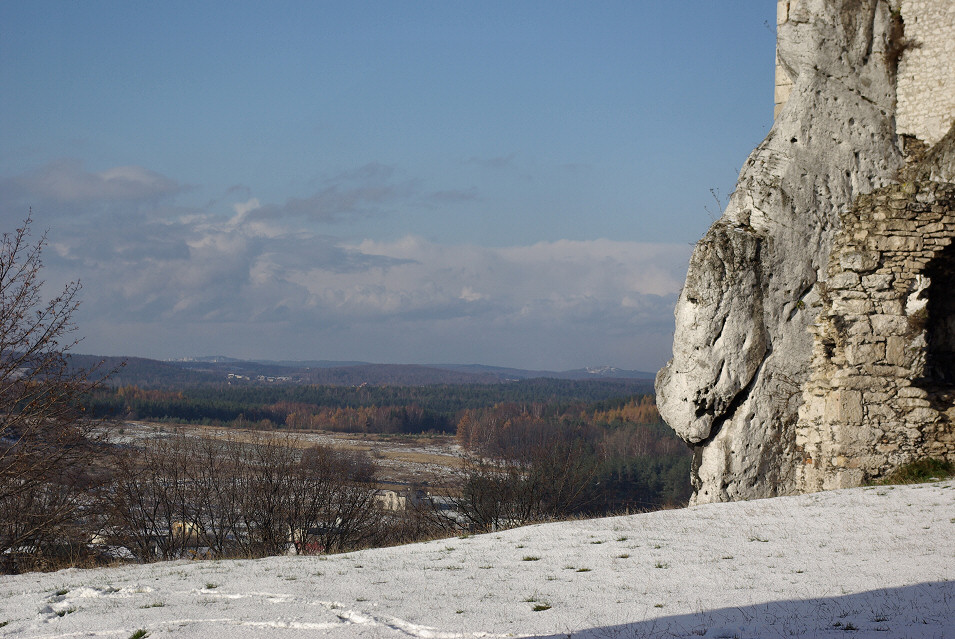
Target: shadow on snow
point(924, 610)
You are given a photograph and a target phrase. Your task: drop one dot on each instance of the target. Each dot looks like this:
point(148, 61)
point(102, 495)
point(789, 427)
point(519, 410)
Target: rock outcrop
point(743, 351)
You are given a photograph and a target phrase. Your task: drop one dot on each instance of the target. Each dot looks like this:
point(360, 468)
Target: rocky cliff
point(743, 350)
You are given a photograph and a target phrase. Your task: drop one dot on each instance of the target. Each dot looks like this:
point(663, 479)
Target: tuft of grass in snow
point(139, 634)
point(624, 556)
point(530, 558)
point(61, 592)
point(539, 604)
point(211, 586)
point(157, 604)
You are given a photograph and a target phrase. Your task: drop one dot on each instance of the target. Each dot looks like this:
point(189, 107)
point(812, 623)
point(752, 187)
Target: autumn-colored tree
point(637, 411)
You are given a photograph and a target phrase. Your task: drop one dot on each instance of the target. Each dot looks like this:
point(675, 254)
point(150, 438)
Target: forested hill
point(155, 374)
point(405, 408)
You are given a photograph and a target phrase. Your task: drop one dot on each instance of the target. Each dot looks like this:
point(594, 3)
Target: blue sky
point(508, 183)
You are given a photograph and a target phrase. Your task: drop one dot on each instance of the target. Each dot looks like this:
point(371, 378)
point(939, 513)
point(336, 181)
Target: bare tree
point(338, 490)
point(219, 483)
point(45, 436)
point(151, 512)
point(263, 495)
point(488, 495)
point(547, 480)
point(269, 466)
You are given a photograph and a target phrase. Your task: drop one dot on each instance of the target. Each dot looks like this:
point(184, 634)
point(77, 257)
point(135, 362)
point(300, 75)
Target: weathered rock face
point(742, 348)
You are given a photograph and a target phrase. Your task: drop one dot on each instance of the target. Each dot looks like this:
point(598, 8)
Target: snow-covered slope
point(876, 562)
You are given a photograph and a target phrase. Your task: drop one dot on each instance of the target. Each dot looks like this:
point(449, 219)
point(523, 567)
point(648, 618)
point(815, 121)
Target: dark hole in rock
point(940, 320)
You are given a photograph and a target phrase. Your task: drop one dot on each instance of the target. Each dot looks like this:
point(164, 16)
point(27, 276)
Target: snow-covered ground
point(874, 562)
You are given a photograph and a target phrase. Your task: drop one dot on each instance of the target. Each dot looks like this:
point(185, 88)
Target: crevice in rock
point(732, 407)
point(800, 303)
point(719, 331)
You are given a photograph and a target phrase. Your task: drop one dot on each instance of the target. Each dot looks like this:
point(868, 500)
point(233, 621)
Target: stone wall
point(926, 72)
point(882, 379)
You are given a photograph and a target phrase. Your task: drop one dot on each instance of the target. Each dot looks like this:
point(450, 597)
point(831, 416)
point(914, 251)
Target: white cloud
point(242, 208)
point(562, 275)
point(470, 295)
point(68, 182)
point(405, 300)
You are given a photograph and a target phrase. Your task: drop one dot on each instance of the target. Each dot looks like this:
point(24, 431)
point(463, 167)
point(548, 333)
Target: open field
point(401, 459)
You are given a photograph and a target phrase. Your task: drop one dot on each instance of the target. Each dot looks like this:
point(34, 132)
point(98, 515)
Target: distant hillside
point(579, 373)
point(347, 375)
point(147, 373)
point(200, 371)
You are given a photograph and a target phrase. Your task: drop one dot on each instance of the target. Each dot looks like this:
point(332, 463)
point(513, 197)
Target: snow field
point(854, 563)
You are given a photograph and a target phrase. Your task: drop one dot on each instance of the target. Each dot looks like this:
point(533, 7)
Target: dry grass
point(412, 459)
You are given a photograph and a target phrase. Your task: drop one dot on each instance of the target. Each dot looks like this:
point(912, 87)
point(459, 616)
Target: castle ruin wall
point(882, 386)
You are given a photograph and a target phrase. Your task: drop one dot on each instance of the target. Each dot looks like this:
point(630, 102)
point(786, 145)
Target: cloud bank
point(263, 280)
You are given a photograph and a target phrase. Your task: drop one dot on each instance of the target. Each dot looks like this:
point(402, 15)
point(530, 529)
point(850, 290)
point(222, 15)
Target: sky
point(506, 183)
point(875, 562)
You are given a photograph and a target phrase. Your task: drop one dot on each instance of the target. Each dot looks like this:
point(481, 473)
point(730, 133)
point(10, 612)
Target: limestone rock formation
point(743, 350)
